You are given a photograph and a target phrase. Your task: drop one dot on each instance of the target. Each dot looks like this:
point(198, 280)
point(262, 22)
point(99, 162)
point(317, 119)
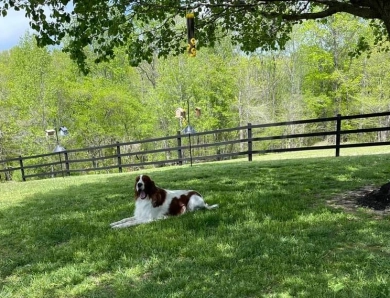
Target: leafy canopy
point(157, 26)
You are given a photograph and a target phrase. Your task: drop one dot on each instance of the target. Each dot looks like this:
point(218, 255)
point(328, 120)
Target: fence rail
point(246, 141)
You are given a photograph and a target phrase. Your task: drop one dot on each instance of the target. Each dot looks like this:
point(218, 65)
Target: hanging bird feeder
point(191, 34)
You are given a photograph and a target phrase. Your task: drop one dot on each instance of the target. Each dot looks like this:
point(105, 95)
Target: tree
point(147, 27)
point(31, 93)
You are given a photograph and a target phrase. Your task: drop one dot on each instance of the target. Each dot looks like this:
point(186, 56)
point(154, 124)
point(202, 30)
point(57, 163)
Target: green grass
point(357, 151)
point(273, 235)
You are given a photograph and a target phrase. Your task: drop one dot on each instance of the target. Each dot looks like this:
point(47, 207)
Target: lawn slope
point(273, 235)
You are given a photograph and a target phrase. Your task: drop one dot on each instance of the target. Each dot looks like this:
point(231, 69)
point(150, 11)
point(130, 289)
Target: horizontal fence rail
point(213, 145)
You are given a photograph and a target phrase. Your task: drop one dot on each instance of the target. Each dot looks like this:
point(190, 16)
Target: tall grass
point(273, 235)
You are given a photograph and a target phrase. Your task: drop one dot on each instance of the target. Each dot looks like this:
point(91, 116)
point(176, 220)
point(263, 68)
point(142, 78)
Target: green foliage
point(40, 88)
point(148, 28)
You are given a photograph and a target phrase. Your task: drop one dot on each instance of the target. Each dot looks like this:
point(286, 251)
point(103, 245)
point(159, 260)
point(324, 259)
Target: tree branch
point(366, 13)
point(360, 8)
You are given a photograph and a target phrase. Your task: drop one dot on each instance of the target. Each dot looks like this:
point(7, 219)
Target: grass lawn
point(273, 235)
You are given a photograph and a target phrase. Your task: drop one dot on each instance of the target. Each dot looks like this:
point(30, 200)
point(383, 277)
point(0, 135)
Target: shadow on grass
point(269, 237)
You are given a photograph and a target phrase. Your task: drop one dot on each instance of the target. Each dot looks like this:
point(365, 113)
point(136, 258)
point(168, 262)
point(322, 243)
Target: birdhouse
point(198, 112)
point(50, 132)
point(180, 113)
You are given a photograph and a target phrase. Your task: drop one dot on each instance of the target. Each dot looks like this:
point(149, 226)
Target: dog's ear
point(135, 187)
point(150, 187)
point(153, 186)
point(157, 199)
point(135, 193)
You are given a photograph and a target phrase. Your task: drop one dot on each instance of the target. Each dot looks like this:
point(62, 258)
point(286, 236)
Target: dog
point(153, 203)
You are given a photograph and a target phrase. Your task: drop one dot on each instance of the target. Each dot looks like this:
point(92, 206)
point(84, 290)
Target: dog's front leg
point(132, 222)
point(129, 219)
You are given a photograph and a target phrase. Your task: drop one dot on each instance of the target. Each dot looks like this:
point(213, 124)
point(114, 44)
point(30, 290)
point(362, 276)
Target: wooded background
point(41, 88)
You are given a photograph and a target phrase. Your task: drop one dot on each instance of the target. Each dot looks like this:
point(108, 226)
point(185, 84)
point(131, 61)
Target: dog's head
point(144, 187)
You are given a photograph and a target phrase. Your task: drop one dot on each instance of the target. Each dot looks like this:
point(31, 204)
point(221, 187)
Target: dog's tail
point(209, 207)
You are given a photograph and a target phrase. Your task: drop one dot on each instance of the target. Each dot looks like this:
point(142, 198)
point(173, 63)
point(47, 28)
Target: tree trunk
point(378, 199)
point(384, 12)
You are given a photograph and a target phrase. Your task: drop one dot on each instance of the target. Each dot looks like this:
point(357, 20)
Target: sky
point(12, 28)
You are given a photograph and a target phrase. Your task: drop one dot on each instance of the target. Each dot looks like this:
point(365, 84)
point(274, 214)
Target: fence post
point(249, 142)
point(67, 163)
point(179, 153)
point(21, 167)
point(118, 153)
point(338, 134)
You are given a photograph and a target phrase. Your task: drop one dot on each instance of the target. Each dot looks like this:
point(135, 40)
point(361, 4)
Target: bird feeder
point(191, 34)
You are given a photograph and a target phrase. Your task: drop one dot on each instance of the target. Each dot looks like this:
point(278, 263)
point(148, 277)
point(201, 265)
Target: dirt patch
point(374, 199)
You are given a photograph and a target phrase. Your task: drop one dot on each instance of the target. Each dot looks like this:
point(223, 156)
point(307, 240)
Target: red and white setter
point(152, 203)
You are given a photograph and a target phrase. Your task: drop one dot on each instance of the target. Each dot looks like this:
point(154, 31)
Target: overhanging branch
point(359, 12)
point(360, 9)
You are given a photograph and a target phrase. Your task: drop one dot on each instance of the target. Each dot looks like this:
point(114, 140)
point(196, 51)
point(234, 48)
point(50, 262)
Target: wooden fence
point(245, 140)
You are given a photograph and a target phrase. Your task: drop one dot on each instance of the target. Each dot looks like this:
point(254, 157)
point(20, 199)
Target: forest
point(318, 74)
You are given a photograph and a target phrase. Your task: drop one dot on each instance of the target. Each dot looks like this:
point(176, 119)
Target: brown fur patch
point(135, 188)
point(179, 205)
point(158, 197)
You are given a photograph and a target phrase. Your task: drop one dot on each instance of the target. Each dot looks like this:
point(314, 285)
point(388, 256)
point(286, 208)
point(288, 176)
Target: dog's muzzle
point(141, 191)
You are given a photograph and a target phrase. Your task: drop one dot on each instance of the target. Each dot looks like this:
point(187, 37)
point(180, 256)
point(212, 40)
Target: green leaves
point(150, 27)
point(313, 78)
point(363, 45)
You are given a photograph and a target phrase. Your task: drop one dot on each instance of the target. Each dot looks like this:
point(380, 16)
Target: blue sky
point(12, 28)
point(15, 25)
